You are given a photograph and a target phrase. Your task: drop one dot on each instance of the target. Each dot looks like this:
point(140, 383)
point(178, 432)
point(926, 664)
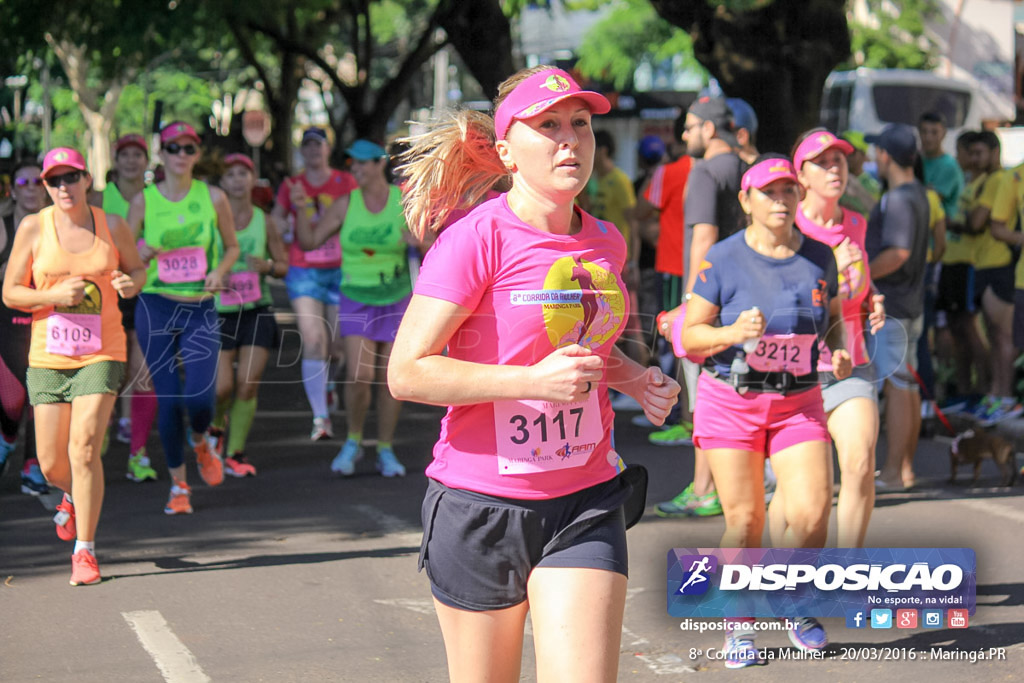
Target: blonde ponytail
point(450, 166)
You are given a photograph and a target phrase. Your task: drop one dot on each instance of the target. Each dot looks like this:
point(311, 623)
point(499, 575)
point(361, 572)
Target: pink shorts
point(761, 422)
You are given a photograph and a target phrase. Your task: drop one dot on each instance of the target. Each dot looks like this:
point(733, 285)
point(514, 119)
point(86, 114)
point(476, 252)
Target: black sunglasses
point(24, 182)
point(69, 178)
point(175, 148)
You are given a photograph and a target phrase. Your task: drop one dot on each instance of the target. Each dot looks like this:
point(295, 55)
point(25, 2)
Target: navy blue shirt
point(792, 293)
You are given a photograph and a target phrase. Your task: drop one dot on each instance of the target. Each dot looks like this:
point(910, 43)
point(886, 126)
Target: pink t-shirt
point(854, 282)
point(339, 184)
point(530, 292)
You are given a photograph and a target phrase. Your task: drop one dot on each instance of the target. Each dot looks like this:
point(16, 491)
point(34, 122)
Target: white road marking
point(414, 604)
point(992, 508)
point(175, 662)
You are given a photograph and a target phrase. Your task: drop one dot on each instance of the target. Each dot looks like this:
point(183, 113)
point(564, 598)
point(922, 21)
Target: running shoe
point(33, 482)
point(740, 650)
point(6, 448)
point(180, 500)
point(211, 467)
point(807, 634)
point(1002, 410)
point(84, 569)
point(676, 435)
point(139, 469)
point(982, 407)
point(388, 465)
point(215, 440)
point(237, 465)
point(65, 519)
point(686, 504)
point(678, 506)
point(321, 429)
point(344, 462)
point(124, 430)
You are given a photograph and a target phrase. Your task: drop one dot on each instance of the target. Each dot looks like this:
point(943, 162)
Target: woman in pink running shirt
point(851, 404)
point(525, 503)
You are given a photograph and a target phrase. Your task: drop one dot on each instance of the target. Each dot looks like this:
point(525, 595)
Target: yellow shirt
point(935, 214)
point(990, 252)
point(614, 196)
point(960, 247)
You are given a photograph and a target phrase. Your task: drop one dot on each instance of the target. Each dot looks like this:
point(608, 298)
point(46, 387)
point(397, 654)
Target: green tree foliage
point(896, 38)
point(631, 34)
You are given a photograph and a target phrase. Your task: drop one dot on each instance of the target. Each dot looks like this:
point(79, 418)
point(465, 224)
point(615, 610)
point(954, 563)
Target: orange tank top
point(71, 337)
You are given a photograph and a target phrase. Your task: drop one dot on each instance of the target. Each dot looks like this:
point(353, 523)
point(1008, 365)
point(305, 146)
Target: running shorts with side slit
point(860, 384)
point(479, 550)
point(47, 385)
point(999, 280)
point(322, 284)
point(251, 327)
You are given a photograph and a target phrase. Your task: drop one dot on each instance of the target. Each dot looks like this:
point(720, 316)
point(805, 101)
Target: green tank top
point(185, 231)
point(113, 202)
point(374, 254)
point(252, 241)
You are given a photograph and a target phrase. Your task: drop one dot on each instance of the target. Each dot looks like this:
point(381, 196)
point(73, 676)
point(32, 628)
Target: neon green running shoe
point(678, 505)
point(139, 469)
point(688, 505)
point(676, 435)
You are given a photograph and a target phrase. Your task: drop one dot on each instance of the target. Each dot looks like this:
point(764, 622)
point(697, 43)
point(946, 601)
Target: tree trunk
point(776, 57)
point(98, 104)
point(479, 31)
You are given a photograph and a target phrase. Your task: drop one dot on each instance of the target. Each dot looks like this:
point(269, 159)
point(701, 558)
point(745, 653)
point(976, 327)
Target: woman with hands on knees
point(177, 222)
point(761, 303)
point(524, 506)
point(851, 405)
point(69, 265)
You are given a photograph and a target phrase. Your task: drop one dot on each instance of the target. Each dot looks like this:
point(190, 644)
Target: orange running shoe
point(180, 502)
point(65, 520)
point(237, 465)
point(84, 570)
point(211, 467)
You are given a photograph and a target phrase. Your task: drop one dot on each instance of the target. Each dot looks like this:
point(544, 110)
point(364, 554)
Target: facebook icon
point(855, 618)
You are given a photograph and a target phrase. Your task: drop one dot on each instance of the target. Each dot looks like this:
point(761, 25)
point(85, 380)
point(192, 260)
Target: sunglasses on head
point(175, 148)
point(24, 182)
point(69, 178)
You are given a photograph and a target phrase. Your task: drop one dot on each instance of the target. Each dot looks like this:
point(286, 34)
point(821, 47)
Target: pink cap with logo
point(239, 159)
point(816, 144)
point(538, 93)
point(178, 129)
point(767, 172)
point(131, 140)
point(62, 156)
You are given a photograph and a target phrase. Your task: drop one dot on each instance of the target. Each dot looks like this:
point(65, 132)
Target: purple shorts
point(377, 323)
point(761, 422)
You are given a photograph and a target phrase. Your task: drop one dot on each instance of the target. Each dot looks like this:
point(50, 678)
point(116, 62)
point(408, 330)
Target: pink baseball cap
point(178, 129)
point(131, 140)
point(816, 144)
point(538, 93)
point(767, 172)
point(62, 156)
point(239, 159)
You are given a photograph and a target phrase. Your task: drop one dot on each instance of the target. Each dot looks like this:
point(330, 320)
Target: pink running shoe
point(238, 465)
point(65, 520)
point(84, 569)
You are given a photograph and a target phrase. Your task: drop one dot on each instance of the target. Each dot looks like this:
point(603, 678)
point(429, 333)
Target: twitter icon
point(881, 618)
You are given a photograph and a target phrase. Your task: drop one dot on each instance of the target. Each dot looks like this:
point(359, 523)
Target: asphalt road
point(299, 576)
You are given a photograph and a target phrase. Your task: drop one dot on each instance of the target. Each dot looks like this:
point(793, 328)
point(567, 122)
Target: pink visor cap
point(239, 160)
point(178, 129)
point(767, 172)
point(62, 156)
point(540, 92)
point(817, 144)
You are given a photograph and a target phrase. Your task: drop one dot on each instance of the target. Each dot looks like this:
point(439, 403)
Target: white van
point(867, 99)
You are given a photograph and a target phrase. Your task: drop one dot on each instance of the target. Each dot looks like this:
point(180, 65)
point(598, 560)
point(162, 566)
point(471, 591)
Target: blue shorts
point(892, 348)
point(478, 550)
point(322, 284)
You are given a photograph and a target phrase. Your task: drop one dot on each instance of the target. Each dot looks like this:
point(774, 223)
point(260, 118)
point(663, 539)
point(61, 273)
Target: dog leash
point(935, 404)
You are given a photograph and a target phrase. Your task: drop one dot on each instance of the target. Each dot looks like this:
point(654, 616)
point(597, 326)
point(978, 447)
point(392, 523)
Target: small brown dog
point(975, 445)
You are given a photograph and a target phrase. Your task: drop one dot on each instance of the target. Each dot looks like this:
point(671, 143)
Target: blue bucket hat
point(364, 150)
